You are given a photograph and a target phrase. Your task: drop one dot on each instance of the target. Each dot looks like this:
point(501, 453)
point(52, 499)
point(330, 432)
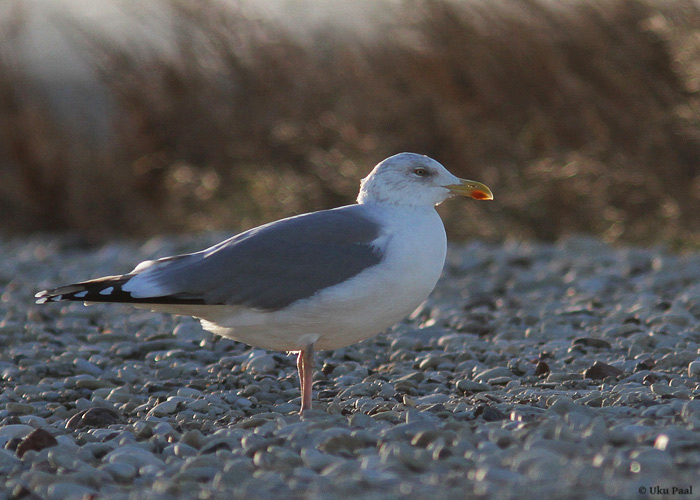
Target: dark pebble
point(600, 371)
point(489, 413)
point(93, 417)
point(647, 364)
point(542, 368)
point(36, 440)
point(592, 342)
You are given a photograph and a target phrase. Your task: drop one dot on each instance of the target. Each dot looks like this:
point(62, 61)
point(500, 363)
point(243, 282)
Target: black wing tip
point(56, 294)
point(107, 290)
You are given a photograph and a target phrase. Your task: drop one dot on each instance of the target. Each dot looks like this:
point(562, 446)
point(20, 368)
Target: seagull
point(320, 280)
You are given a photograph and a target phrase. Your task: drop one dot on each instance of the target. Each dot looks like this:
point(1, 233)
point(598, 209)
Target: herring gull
point(320, 280)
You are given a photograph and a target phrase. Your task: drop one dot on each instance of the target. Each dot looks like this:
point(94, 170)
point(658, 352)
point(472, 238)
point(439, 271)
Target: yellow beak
point(473, 189)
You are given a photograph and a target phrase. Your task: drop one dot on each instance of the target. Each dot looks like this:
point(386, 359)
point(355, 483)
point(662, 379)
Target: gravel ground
point(533, 371)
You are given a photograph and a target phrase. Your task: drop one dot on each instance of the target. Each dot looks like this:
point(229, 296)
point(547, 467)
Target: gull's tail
point(107, 289)
point(110, 289)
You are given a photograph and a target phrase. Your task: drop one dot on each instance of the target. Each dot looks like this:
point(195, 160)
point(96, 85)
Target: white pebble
point(694, 368)
point(261, 363)
point(8, 461)
point(70, 491)
point(133, 455)
point(121, 472)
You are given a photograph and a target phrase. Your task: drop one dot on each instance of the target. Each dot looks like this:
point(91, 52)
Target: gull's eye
point(421, 172)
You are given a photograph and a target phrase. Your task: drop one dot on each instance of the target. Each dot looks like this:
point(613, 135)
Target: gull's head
point(416, 180)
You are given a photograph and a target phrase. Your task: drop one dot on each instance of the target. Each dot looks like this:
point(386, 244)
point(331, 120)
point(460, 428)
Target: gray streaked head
point(407, 179)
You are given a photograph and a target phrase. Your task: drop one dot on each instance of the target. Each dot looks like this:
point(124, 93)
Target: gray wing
point(268, 267)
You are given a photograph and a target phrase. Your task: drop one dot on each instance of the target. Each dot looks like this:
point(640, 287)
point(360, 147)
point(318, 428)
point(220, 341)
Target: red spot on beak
point(480, 195)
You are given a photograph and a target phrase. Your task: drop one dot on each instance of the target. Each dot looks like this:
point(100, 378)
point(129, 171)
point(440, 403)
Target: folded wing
point(268, 267)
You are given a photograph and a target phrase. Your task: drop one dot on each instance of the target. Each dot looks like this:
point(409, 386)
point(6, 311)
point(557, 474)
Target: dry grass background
point(582, 115)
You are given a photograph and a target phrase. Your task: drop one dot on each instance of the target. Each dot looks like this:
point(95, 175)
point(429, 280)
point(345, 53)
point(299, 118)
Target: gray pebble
point(8, 461)
point(316, 460)
point(493, 373)
point(564, 405)
point(20, 408)
point(93, 417)
point(180, 450)
point(190, 331)
point(431, 399)
point(694, 368)
point(69, 491)
point(133, 455)
point(652, 460)
point(676, 360)
point(171, 405)
point(260, 362)
point(121, 472)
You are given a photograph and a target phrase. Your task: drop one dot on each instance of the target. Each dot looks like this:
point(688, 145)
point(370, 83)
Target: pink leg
point(305, 365)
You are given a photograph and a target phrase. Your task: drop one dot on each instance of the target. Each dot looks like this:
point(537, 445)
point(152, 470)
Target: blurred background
point(127, 118)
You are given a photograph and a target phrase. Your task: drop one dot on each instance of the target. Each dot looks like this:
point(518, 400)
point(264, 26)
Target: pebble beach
point(567, 370)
